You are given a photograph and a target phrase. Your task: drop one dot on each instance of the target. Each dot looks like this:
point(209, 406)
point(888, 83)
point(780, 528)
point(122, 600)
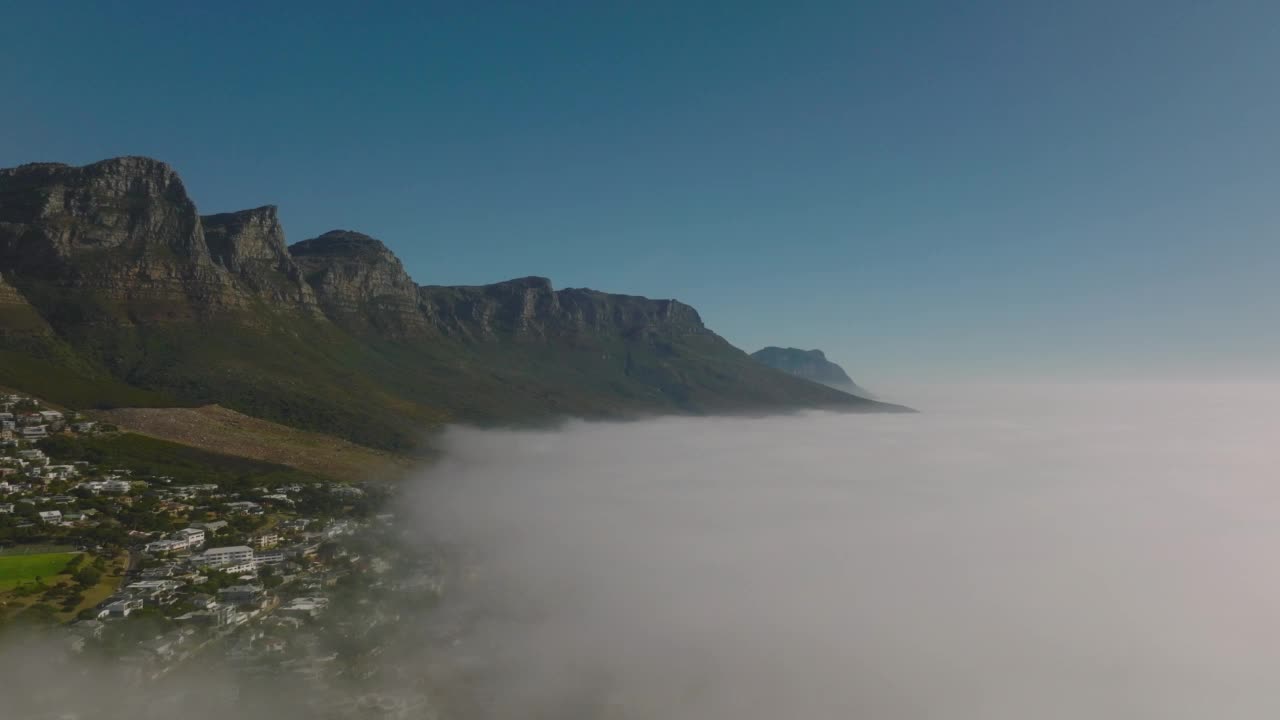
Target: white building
point(34, 432)
point(270, 557)
point(51, 516)
point(121, 608)
point(231, 555)
point(242, 569)
point(193, 535)
point(167, 545)
point(265, 540)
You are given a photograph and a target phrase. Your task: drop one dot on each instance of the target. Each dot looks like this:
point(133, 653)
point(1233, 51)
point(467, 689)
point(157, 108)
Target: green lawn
point(17, 569)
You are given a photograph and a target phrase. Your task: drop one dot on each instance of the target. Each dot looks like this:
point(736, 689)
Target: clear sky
point(926, 190)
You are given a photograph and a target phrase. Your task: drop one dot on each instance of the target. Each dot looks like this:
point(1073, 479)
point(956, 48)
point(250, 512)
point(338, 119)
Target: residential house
point(193, 535)
point(53, 419)
point(264, 540)
point(166, 545)
point(269, 557)
point(121, 608)
point(305, 607)
point(214, 616)
point(111, 486)
point(33, 432)
point(153, 593)
point(50, 516)
point(241, 570)
point(60, 472)
point(212, 527)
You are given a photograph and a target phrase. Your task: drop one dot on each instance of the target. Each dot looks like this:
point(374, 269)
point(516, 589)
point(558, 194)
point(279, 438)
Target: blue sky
point(926, 190)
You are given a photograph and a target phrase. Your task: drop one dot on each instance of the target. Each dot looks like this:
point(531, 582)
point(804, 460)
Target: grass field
point(36, 549)
point(18, 569)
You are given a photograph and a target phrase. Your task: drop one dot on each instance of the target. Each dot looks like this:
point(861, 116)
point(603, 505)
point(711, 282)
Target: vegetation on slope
point(218, 429)
point(186, 465)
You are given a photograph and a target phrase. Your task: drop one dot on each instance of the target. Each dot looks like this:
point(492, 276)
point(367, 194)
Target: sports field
point(17, 569)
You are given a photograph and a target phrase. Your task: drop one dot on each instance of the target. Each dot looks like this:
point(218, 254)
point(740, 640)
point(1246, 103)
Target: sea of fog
point(1011, 552)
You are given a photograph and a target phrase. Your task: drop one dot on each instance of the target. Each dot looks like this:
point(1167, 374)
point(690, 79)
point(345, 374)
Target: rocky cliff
point(329, 333)
point(360, 282)
point(810, 365)
point(250, 245)
point(120, 235)
point(531, 309)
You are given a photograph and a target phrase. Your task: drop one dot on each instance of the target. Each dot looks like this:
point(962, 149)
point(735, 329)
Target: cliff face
point(250, 245)
point(529, 308)
point(124, 233)
point(359, 282)
point(810, 365)
point(120, 231)
point(112, 265)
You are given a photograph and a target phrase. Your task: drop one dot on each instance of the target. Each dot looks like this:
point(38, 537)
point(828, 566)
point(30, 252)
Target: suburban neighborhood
point(159, 572)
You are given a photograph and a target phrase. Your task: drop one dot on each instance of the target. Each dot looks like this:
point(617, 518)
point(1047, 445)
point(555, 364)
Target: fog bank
point(1031, 551)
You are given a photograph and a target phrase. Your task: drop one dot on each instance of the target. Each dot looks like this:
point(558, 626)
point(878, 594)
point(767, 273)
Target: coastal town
point(261, 573)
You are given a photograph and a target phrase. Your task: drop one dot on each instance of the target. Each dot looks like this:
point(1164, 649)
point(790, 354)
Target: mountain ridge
point(122, 280)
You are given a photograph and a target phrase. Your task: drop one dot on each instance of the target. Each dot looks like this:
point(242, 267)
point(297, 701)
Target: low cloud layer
point(1047, 552)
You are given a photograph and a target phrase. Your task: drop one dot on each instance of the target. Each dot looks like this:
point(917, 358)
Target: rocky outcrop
point(250, 245)
point(121, 231)
point(359, 282)
point(810, 365)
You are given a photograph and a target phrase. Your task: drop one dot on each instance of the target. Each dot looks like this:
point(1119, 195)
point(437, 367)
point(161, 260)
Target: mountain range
point(115, 291)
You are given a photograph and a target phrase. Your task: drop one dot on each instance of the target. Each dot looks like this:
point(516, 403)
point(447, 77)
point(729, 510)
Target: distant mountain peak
point(810, 365)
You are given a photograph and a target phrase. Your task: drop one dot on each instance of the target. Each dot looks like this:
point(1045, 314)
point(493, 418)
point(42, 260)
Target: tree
point(87, 577)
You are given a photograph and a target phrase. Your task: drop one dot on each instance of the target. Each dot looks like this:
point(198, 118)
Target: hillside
point(116, 292)
point(810, 365)
point(219, 430)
